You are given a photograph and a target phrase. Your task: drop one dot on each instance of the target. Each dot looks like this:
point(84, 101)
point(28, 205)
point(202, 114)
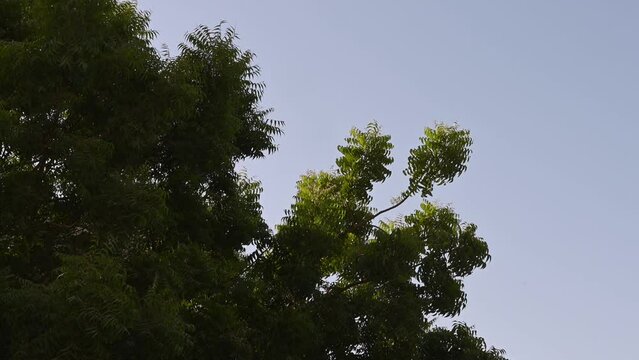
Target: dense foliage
point(123, 221)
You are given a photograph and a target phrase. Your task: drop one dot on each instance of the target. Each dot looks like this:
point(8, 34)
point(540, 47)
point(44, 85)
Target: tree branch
point(391, 208)
point(340, 290)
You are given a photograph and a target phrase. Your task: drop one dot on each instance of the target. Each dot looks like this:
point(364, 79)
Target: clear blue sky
point(550, 91)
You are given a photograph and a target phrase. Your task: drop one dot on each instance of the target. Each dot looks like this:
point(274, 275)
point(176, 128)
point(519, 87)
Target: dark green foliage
point(123, 221)
point(459, 343)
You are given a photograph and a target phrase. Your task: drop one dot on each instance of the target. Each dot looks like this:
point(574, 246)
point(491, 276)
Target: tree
point(123, 221)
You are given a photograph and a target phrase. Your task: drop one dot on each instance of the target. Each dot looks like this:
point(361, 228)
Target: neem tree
point(123, 220)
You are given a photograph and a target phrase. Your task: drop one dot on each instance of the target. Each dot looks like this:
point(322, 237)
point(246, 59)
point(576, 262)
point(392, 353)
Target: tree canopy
point(124, 222)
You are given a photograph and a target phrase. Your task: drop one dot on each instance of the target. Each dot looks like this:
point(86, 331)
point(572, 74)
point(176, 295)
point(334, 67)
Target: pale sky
point(550, 92)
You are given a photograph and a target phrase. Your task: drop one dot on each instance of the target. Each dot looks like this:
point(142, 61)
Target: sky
point(550, 92)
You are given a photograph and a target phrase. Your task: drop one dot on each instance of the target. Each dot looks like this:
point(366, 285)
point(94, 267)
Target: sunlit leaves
point(442, 156)
point(365, 160)
point(386, 279)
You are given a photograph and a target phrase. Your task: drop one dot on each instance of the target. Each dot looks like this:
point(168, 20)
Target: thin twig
point(390, 208)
